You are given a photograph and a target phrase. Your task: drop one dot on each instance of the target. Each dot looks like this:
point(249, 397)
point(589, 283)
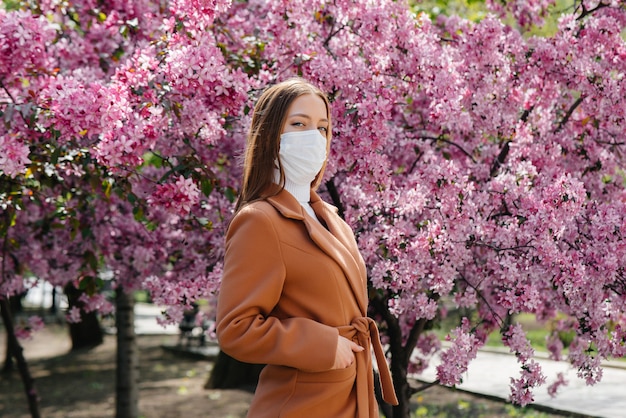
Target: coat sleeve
point(251, 286)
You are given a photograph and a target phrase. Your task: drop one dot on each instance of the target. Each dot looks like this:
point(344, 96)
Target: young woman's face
point(305, 113)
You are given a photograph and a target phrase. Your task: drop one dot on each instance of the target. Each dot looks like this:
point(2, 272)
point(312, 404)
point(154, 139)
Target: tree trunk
point(87, 333)
point(53, 305)
point(17, 352)
point(14, 305)
point(229, 373)
point(127, 383)
point(8, 358)
point(403, 390)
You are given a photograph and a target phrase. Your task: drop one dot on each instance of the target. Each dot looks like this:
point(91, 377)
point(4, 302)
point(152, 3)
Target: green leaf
point(91, 260)
point(108, 186)
point(117, 54)
point(86, 232)
point(206, 186)
point(153, 160)
point(5, 226)
point(138, 213)
point(54, 158)
point(75, 223)
point(230, 194)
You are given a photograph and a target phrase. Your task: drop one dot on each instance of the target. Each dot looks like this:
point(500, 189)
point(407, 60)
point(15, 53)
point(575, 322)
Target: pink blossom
point(35, 323)
point(177, 197)
point(22, 333)
point(515, 338)
point(455, 360)
point(25, 331)
point(526, 12)
point(559, 382)
point(521, 389)
point(13, 155)
point(96, 302)
point(555, 346)
point(23, 44)
point(73, 315)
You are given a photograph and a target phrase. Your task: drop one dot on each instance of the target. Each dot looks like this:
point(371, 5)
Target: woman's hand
point(344, 356)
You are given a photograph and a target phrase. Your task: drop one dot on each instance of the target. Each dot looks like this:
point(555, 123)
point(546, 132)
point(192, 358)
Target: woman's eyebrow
point(304, 115)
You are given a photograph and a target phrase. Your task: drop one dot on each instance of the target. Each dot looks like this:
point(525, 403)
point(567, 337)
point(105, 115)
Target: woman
point(294, 289)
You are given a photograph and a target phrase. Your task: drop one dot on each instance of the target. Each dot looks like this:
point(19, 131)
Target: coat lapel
point(337, 241)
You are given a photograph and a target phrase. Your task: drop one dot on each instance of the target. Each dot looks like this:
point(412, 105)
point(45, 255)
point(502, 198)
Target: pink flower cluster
point(531, 374)
point(557, 384)
point(13, 155)
point(178, 197)
point(521, 388)
point(25, 331)
point(455, 359)
point(77, 109)
point(525, 12)
point(23, 42)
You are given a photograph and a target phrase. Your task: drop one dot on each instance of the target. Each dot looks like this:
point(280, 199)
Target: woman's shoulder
point(256, 209)
point(254, 218)
point(260, 205)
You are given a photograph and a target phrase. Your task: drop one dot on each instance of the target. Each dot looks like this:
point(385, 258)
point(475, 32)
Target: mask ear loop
point(279, 177)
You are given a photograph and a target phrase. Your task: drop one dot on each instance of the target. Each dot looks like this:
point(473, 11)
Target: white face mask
point(302, 155)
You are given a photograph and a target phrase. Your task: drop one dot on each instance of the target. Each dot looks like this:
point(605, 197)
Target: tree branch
point(480, 295)
point(411, 341)
point(447, 141)
point(497, 163)
point(16, 349)
point(334, 195)
point(569, 113)
point(424, 387)
point(585, 12)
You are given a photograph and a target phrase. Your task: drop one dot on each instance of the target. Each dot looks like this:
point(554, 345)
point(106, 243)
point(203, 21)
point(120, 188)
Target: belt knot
point(362, 325)
point(366, 332)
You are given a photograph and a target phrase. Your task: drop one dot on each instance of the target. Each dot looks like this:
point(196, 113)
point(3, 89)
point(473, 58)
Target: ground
point(81, 385)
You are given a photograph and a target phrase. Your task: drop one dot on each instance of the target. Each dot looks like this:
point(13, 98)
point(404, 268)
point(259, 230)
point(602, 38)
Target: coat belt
point(366, 333)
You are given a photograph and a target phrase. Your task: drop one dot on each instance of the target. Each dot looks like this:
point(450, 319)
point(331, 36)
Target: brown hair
point(263, 141)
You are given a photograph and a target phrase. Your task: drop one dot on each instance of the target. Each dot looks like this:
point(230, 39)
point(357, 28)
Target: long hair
point(263, 141)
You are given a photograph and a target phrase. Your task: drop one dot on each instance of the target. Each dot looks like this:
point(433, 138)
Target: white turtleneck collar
point(302, 193)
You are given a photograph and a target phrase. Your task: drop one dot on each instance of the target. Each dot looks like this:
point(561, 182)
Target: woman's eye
point(323, 129)
point(297, 124)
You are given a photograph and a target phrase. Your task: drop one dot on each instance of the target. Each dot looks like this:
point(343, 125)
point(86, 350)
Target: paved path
point(145, 321)
point(490, 374)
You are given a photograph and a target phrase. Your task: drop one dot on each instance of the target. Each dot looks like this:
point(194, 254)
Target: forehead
point(310, 105)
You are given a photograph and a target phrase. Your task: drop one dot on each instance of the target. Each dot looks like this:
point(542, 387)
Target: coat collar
point(336, 240)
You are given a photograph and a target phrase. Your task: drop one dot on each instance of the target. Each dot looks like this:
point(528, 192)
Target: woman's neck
point(302, 193)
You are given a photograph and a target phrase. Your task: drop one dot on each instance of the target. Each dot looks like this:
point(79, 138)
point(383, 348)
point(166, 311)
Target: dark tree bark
point(87, 333)
point(53, 306)
point(14, 305)
point(17, 352)
point(8, 358)
point(229, 373)
point(127, 376)
point(400, 357)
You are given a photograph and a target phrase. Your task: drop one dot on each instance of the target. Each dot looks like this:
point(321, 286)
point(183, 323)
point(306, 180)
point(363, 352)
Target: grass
point(460, 404)
point(463, 408)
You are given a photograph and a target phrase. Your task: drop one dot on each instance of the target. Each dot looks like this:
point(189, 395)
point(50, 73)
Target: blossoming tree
point(480, 166)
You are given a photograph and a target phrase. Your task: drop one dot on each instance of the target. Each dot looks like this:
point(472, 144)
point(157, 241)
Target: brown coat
point(290, 288)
